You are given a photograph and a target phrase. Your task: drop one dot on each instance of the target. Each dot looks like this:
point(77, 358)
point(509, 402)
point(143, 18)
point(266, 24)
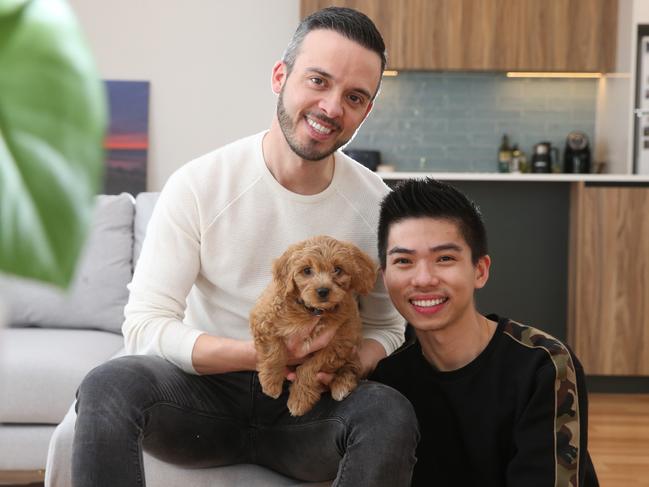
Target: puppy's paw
point(271, 386)
point(341, 387)
point(272, 390)
point(299, 407)
point(301, 399)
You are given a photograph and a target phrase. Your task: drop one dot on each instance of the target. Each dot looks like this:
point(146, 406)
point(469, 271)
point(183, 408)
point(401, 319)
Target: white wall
point(208, 62)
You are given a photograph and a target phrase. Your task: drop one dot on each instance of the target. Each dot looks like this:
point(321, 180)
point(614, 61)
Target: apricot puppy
point(320, 276)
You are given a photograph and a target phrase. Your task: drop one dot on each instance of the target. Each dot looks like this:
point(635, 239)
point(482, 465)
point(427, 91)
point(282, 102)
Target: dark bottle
point(504, 155)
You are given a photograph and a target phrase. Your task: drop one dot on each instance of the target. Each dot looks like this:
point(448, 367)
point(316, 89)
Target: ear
point(282, 276)
point(482, 271)
point(364, 275)
point(278, 77)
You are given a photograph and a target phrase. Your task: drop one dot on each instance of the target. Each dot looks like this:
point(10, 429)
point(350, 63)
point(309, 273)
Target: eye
point(307, 271)
point(356, 99)
point(446, 258)
point(401, 261)
point(337, 270)
point(316, 81)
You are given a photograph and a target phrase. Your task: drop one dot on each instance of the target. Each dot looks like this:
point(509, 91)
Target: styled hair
point(429, 198)
point(348, 22)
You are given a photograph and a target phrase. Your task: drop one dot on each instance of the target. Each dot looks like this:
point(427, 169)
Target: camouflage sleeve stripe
point(566, 400)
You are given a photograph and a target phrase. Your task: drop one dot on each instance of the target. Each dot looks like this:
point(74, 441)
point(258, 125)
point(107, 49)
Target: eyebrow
point(436, 248)
point(325, 74)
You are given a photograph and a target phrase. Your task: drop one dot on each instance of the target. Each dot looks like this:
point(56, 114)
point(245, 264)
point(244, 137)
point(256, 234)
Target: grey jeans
point(135, 402)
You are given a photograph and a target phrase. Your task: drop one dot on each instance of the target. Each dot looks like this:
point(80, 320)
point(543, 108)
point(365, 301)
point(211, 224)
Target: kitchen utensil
point(576, 155)
point(542, 157)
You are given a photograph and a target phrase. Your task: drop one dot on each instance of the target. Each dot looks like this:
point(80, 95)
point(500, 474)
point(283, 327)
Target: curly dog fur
point(319, 276)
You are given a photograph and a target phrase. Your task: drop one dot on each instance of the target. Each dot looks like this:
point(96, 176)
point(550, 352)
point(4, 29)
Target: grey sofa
point(54, 338)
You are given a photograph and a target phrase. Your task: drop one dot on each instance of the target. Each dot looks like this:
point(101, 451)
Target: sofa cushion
point(41, 369)
point(144, 203)
point(24, 447)
point(98, 294)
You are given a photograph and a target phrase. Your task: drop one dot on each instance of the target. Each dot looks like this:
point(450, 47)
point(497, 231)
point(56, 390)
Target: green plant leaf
point(52, 124)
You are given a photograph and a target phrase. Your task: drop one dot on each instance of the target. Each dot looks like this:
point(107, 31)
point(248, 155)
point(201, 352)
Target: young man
point(189, 394)
point(498, 403)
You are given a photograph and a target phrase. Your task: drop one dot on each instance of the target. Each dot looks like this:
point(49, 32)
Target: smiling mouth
point(428, 303)
point(321, 129)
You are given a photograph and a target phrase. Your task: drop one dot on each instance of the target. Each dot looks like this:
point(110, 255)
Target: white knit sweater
point(219, 223)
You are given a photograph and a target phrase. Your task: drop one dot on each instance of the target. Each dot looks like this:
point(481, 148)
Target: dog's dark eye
point(337, 270)
point(306, 271)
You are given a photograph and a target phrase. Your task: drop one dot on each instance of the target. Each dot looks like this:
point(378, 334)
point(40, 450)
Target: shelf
point(488, 176)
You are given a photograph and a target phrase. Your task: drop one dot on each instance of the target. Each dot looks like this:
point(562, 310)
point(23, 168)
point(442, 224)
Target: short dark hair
point(348, 22)
point(426, 197)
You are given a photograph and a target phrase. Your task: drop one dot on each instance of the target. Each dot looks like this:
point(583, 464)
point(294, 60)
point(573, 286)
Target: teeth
point(317, 127)
point(427, 303)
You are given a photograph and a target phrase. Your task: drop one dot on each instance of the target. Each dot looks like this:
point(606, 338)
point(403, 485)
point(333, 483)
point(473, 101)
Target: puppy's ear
point(282, 272)
point(364, 275)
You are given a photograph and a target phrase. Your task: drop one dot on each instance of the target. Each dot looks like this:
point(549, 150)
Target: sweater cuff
point(389, 341)
point(179, 342)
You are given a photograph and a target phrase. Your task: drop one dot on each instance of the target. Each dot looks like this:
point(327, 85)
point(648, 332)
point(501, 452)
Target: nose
point(331, 105)
point(425, 275)
point(323, 292)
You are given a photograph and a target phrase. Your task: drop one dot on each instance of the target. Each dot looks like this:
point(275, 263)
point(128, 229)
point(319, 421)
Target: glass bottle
point(504, 155)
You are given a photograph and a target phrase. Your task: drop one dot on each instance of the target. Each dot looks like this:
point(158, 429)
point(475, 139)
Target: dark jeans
point(135, 402)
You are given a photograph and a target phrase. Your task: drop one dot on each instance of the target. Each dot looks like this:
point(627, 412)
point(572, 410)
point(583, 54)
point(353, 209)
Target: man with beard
point(189, 393)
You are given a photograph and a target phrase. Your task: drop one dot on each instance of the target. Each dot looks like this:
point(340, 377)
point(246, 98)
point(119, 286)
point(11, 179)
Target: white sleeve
point(164, 275)
point(381, 321)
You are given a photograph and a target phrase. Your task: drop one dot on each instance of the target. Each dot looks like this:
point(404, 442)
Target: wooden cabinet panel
point(390, 17)
point(608, 322)
point(500, 35)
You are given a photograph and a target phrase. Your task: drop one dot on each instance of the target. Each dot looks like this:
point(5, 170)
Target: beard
point(309, 150)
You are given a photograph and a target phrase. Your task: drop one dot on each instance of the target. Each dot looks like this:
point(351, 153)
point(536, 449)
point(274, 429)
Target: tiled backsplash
point(455, 121)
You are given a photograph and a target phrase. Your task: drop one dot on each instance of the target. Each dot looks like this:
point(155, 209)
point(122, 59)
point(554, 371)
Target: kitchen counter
point(526, 177)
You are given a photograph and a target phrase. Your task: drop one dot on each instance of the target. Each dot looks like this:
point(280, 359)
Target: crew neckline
point(471, 367)
point(286, 193)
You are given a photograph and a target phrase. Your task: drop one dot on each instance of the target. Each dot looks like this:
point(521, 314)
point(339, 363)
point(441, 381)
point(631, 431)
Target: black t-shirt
point(515, 416)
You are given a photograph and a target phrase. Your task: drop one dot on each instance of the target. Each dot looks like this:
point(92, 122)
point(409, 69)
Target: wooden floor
point(619, 439)
point(23, 478)
point(618, 442)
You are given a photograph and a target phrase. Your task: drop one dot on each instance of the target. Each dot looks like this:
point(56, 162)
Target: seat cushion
point(24, 447)
point(98, 294)
point(41, 369)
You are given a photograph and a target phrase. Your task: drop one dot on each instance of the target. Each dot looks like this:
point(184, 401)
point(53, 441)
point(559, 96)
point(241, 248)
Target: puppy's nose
point(323, 292)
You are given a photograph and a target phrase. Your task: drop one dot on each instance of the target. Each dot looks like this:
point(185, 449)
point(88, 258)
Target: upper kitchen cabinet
point(492, 35)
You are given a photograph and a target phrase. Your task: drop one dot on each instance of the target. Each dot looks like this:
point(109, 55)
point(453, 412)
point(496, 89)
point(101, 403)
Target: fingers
point(322, 340)
point(299, 344)
point(290, 374)
point(303, 344)
point(307, 330)
point(325, 378)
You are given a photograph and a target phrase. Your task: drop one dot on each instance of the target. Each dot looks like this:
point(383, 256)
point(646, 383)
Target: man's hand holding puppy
point(369, 353)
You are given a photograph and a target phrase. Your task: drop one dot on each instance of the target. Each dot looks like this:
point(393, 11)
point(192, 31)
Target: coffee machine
point(543, 157)
point(576, 156)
